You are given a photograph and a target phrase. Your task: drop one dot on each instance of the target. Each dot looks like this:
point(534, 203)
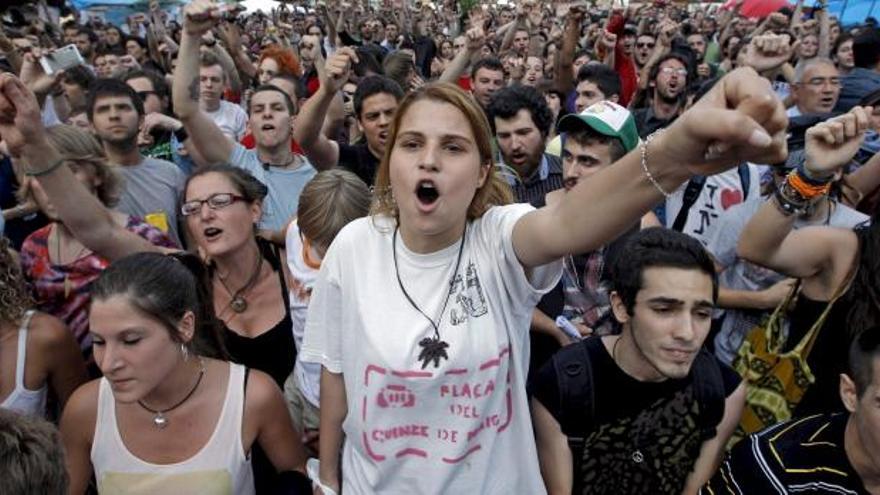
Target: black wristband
point(181, 134)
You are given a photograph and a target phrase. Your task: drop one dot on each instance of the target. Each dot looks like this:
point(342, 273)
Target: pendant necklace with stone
point(238, 303)
point(159, 418)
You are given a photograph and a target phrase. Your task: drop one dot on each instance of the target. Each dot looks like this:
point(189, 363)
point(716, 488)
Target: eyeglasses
point(822, 81)
point(644, 45)
point(670, 71)
point(215, 202)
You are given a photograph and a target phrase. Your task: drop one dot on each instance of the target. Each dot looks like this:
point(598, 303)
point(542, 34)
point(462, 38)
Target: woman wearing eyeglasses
point(221, 206)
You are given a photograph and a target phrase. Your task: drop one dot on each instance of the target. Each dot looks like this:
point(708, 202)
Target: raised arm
point(812, 252)
point(565, 58)
point(740, 119)
point(459, 64)
point(92, 224)
point(205, 136)
point(323, 152)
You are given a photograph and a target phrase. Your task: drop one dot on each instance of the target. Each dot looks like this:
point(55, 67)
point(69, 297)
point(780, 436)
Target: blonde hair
point(494, 191)
point(81, 148)
point(331, 200)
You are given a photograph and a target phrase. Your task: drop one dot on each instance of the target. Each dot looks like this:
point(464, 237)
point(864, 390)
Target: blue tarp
point(851, 11)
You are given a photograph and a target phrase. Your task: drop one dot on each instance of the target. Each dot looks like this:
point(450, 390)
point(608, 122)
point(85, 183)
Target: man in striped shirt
point(824, 454)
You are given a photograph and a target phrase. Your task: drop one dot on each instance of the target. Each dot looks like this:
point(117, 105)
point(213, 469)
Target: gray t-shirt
point(285, 185)
point(740, 274)
point(152, 191)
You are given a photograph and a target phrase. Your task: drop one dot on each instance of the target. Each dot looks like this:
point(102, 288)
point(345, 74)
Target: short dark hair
point(299, 87)
point(31, 456)
point(158, 82)
point(291, 108)
point(866, 49)
point(489, 63)
point(604, 77)
point(507, 102)
point(80, 76)
point(587, 136)
point(657, 247)
point(374, 85)
point(111, 87)
point(137, 39)
point(93, 38)
point(864, 348)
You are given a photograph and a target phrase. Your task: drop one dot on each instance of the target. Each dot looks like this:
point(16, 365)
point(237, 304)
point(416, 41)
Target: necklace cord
point(188, 395)
point(448, 293)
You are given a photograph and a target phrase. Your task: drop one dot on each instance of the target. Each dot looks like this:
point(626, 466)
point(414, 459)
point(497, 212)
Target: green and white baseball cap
point(604, 117)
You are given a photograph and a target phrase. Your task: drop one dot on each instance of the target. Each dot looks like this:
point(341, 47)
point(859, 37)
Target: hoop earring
point(184, 351)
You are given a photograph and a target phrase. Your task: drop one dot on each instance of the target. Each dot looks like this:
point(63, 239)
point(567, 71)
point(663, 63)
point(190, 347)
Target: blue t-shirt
point(285, 185)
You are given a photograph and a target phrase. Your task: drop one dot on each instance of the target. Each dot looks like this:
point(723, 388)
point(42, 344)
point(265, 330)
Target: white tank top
point(30, 402)
point(221, 467)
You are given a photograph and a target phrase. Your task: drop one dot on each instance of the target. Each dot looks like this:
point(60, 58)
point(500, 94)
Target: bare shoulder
point(261, 391)
point(49, 332)
point(81, 410)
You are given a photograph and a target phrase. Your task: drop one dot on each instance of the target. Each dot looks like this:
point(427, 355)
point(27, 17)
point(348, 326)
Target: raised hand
point(20, 121)
point(475, 39)
point(200, 16)
point(33, 76)
point(767, 52)
point(338, 69)
point(831, 144)
point(740, 119)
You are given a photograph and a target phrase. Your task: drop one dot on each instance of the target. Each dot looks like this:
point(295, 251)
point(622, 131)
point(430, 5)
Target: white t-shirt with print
point(462, 427)
point(231, 120)
point(307, 375)
point(720, 193)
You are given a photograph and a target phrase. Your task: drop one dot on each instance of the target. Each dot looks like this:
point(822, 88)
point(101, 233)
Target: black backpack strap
point(691, 193)
point(574, 380)
point(709, 392)
point(745, 179)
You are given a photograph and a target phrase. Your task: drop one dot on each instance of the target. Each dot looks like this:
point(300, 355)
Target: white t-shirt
point(720, 193)
point(231, 119)
point(307, 375)
point(462, 427)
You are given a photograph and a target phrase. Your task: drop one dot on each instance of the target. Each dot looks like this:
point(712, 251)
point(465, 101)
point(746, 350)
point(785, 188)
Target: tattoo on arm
point(194, 89)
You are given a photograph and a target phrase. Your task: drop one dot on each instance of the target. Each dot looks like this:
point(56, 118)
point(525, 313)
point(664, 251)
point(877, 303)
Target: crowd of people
point(418, 247)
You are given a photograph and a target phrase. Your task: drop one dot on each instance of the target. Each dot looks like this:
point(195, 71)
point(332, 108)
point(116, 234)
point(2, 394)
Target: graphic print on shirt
point(439, 414)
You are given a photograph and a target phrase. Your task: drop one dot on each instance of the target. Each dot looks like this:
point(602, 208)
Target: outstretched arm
point(818, 252)
point(205, 136)
point(463, 58)
point(740, 119)
point(92, 224)
point(322, 152)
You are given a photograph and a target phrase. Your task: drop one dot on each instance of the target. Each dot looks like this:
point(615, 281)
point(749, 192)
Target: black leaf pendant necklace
point(433, 349)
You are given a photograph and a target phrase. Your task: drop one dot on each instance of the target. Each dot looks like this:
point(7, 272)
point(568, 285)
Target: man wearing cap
point(592, 140)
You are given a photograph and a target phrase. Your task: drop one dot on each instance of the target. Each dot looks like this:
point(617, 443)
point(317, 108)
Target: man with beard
point(375, 102)
point(669, 80)
point(646, 411)
point(696, 40)
point(521, 120)
point(284, 172)
point(86, 40)
point(152, 187)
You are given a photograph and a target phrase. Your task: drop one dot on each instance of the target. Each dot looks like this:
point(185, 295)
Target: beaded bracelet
point(644, 154)
point(51, 168)
point(806, 189)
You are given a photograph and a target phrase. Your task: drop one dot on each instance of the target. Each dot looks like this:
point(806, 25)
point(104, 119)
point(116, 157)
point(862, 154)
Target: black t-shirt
point(359, 159)
point(645, 435)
